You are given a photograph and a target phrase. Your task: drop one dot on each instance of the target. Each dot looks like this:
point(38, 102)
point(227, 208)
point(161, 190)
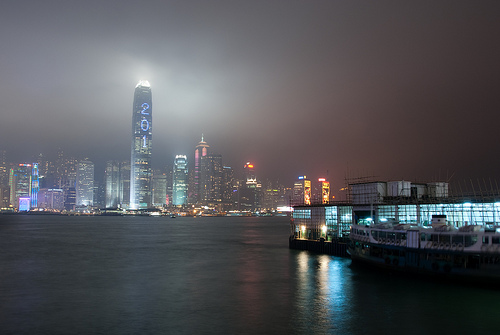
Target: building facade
point(142, 142)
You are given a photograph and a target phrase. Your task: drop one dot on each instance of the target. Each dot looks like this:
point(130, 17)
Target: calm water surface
point(135, 275)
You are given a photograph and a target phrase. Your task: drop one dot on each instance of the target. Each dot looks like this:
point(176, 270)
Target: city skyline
point(327, 89)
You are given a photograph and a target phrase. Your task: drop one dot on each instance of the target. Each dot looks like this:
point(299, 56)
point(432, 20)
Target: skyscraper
point(229, 189)
point(85, 183)
point(142, 141)
point(112, 181)
point(124, 188)
point(200, 151)
point(180, 181)
point(211, 179)
point(159, 188)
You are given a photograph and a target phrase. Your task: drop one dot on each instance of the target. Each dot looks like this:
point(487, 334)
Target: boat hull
point(484, 267)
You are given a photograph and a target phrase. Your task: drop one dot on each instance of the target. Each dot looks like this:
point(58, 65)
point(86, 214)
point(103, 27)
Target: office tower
point(4, 170)
point(229, 189)
point(302, 191)
point(4, 196)
point(69, 198)
point(170, 186)
point(250, 189)
point(180, 181)
point(272, 195)
point(142, 141)
point(4, 180)
point(200, 151)
point(63, 176)
point(20, 184)
point(159, 188)
point(124, 188)
point(85, 183)
point(321, 192)
point(112, 184)
point(99, 193)
point(211, 179)
point(49, 198)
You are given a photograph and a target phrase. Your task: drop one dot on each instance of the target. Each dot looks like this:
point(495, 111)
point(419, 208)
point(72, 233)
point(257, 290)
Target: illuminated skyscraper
point(85, 183)
point(180, 181)
point(142, 141)
point(200, 151)
point(35, 185)
point(302, 191)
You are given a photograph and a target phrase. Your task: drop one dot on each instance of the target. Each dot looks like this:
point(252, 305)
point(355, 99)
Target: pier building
point(395, 201)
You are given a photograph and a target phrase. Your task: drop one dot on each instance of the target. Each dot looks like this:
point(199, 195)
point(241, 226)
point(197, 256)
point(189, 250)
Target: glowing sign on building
point(24, 204)
point(325, 192)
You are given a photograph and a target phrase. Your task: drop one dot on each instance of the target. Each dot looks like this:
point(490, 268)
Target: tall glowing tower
point(200, 151)
point(142, 142)
point(180, 180)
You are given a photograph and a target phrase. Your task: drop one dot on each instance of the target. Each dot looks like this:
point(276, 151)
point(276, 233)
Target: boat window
point(444, 238)
point(495, 240)
point(486, 240)
point(457, 239)
point(470, 240)
point(422, 237)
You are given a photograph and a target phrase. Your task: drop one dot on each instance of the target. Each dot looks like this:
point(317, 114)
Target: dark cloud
point(388, 88)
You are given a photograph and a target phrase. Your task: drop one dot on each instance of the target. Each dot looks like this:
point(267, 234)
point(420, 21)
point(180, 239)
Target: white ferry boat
point(468, 252)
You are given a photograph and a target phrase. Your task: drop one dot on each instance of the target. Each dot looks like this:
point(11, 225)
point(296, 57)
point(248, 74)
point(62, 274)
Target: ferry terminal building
point(396, 201)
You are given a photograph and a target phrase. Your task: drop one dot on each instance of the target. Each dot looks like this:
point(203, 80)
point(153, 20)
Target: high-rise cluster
point(201, 182)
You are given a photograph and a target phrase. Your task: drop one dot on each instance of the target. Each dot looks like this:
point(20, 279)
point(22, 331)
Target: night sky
point(390, 89)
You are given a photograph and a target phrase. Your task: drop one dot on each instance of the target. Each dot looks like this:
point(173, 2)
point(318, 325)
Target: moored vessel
point(470, 251)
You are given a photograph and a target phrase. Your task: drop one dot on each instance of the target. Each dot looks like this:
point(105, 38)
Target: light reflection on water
point(214, 275)
point(323, 291)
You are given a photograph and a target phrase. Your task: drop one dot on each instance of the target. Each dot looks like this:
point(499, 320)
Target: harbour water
point(159, 275)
